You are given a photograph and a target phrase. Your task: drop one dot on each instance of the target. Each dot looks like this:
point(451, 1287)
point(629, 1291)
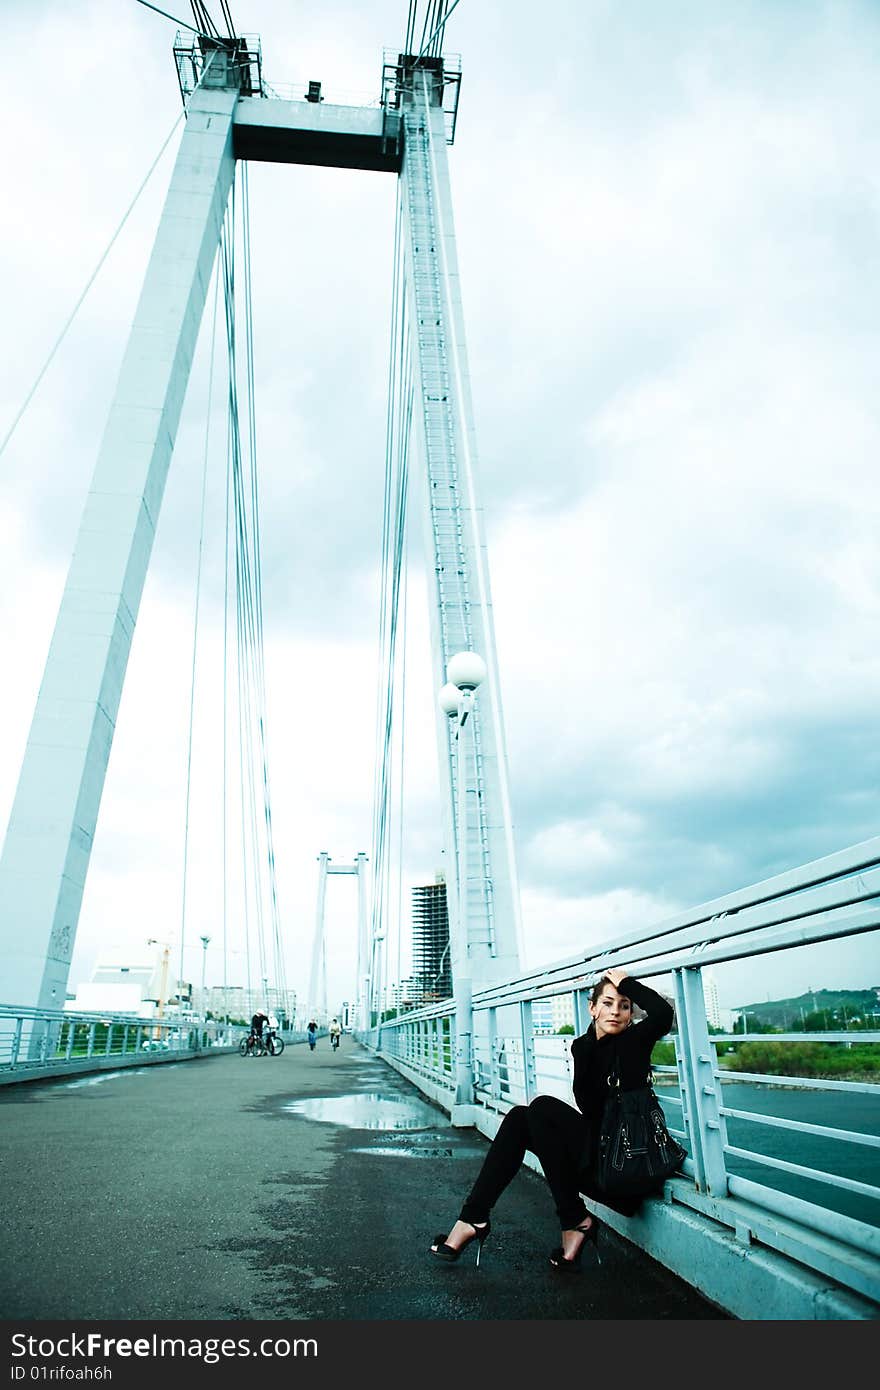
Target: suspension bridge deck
point(217, 1189)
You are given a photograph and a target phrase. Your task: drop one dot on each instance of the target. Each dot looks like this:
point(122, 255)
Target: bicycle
point(252, 1046)
point(274, 1044)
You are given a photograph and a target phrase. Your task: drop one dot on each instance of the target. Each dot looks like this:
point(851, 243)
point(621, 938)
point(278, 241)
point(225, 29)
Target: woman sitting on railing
point(565, 1140)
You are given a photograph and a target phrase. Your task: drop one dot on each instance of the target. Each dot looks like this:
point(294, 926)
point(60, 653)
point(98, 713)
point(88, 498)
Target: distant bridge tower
point(318, 974)
point(51, 831)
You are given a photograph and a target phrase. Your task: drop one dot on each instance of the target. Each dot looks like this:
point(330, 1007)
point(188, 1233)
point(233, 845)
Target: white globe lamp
point(449, 699)
point(466, 670)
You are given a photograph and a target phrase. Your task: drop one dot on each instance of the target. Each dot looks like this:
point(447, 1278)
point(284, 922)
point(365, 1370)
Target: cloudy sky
point(668, 226)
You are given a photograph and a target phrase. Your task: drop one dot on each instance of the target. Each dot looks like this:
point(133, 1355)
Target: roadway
point(191, 1190)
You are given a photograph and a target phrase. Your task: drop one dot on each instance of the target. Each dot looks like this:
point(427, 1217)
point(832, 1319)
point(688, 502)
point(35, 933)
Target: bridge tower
point(318, 975)
point(230, 117)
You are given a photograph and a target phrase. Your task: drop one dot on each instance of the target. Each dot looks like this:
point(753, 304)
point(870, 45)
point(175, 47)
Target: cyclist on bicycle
point(271, 1041)
point(335, 1034)
point(257, 1022)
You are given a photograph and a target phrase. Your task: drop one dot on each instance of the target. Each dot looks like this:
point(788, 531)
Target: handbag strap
point(613, 1077)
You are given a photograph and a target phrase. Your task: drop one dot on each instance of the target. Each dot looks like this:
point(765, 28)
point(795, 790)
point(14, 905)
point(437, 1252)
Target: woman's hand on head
point(616, 977)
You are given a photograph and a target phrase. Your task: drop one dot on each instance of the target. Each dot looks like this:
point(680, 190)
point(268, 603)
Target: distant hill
point(818, 1009)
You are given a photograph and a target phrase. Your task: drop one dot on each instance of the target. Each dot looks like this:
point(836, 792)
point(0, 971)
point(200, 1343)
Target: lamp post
point(204, 940)
point(465, 672)
point(163, 981)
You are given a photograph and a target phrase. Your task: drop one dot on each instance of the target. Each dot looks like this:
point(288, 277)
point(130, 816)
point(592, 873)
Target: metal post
point(465, 671)
point(494, 1056)
point(705, 1124)
point(461, 978)
point(204, 941)
point(527, 1035)
point(582, 1015)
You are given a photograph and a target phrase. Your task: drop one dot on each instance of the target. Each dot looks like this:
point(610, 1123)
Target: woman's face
point(612, 1011)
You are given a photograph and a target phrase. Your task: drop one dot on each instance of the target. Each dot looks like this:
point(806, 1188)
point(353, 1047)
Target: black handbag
point(636, 1151)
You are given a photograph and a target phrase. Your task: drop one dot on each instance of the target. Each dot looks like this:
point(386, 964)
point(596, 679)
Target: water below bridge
point(306, 1186)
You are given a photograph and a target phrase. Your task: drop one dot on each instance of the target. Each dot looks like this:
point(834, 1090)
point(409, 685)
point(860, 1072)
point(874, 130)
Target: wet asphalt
point(306, 1186)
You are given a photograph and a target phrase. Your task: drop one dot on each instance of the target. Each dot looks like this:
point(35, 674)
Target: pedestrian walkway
point(305, 1186)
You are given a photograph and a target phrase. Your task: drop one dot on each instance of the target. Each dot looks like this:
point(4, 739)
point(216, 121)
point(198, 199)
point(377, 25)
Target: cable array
point(244, 618)
point(392, 655)
point(437, 13)
point(196, 614)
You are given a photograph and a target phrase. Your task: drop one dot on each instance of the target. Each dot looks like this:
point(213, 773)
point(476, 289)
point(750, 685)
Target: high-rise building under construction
point(432, 970)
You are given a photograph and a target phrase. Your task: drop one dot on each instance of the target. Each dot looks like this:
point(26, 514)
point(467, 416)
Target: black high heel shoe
point(558, 1258)
point(446, 1252)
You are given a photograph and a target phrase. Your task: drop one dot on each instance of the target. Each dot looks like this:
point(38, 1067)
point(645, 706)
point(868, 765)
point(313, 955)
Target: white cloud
point(568, 926)
point(666, 236)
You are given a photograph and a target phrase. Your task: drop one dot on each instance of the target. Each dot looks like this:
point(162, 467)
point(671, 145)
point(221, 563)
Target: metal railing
point(45, 1043)
point(783, 1161)
point(51, 1043)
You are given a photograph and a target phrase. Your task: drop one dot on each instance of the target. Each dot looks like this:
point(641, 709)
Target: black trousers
point(557, 1135)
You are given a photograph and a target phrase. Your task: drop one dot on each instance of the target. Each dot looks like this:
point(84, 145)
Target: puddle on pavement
point(368, 1110)
point(424, 1152)
point(103, 1076)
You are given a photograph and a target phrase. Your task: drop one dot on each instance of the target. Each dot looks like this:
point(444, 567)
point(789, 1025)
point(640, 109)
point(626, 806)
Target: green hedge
point(829, 1061)
point(826, 1060)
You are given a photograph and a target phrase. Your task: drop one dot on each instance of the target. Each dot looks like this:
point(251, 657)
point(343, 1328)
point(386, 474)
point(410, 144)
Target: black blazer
point(595, 1059)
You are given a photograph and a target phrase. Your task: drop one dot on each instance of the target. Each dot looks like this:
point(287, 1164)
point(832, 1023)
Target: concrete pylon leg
point(461, 610)
point(51, 830)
